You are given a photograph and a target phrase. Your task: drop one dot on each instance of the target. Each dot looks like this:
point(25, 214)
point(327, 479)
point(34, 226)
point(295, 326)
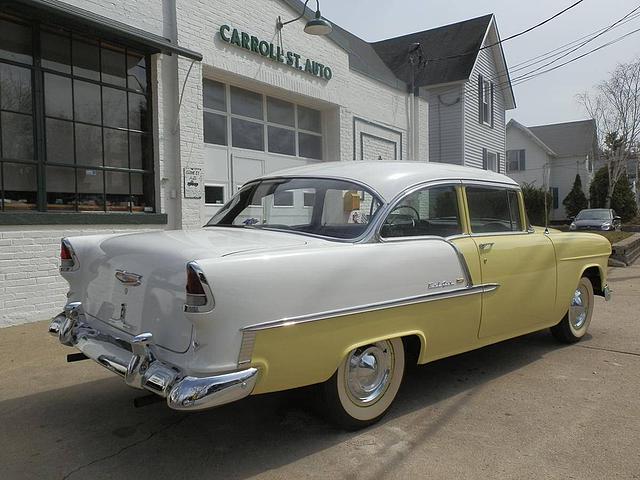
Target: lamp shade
point(318, 26)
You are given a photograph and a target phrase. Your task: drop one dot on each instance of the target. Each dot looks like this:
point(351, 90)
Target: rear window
point(326, 207)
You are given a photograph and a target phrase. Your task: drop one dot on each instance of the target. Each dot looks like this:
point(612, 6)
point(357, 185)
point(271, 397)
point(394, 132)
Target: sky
point(549, 98)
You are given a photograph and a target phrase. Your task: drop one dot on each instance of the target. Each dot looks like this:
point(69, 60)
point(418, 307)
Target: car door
point(428, 218)
point(521, 262)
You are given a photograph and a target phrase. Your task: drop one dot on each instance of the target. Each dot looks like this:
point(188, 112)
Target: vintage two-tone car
point(336, 275)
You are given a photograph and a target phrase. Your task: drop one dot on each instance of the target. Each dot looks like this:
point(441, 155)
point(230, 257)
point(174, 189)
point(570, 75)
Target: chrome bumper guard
point(137, 363)
point(606, 293)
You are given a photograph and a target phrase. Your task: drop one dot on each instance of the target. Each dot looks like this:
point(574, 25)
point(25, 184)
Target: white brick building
point(104, 106)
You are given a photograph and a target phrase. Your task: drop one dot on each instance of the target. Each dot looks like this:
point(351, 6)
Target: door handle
point(486, 246)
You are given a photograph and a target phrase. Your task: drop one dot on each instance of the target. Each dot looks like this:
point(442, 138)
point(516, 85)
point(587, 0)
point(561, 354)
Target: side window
point(493, 210)
point(430, 211)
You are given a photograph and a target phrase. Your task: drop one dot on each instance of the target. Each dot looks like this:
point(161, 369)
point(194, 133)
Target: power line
point(564, 50)
point(527, 77)
point(507, 38)
point(585, 42)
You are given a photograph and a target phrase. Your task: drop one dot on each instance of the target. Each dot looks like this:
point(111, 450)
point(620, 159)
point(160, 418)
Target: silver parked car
point(596, 219)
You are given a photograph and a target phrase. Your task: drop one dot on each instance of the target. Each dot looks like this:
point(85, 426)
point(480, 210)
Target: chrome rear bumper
point(136, 362)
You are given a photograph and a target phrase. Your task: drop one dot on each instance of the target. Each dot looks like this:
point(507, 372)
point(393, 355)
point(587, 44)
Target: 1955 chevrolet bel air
point(336, 275)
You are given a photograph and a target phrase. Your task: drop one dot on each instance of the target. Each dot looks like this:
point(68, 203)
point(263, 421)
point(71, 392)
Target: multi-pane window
point(245, 119)
point(74, 122)
point(515, 160)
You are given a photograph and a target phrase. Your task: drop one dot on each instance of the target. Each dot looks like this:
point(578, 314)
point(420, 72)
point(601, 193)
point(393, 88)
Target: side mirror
point(617, 219)
point(571, 219)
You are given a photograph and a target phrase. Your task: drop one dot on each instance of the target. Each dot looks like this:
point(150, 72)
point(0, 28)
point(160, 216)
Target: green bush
point(622, 200)
point(534, 203)
point(576, 200)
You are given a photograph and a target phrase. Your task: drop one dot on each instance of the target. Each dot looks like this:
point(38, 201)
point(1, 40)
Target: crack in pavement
point(125, 448)
point(608, 350)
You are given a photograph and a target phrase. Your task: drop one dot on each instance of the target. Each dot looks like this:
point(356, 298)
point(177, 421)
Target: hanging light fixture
point(315, 26)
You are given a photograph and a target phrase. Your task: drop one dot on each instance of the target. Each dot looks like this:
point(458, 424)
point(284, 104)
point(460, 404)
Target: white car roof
point(391, 178)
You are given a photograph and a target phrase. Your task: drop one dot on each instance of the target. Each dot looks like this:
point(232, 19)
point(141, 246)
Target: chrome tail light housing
point(68, 258)
point(199, 295)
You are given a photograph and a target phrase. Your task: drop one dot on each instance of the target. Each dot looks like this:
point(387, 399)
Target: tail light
point(199, 296)
point(68, 260)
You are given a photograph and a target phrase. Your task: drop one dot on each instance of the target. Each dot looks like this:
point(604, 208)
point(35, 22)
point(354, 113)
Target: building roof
point(391, 178)
point(570, 138)
point(514, 124)
point(386, 60)
point(460, 41)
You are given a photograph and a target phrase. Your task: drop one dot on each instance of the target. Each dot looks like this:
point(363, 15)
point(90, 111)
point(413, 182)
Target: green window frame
point(89, 109)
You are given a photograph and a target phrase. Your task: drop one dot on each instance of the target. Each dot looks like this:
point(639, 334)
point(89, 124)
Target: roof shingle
point(568, 139)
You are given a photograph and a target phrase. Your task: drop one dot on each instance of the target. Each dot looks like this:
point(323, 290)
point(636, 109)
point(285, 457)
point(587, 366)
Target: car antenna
point(546, 195)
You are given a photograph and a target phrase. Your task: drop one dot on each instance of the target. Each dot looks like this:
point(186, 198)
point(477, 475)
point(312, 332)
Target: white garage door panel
point(275, 163)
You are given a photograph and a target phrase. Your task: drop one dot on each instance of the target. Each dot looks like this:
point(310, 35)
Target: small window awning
point(84, 21)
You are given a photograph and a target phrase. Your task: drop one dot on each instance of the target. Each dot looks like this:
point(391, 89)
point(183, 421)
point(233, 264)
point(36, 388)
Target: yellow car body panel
point(307, 353)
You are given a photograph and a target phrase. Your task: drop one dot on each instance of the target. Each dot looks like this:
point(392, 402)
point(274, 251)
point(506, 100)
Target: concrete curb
point(625, 252)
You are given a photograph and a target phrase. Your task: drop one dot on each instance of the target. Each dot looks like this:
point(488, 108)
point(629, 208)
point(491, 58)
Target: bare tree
point(615, 107)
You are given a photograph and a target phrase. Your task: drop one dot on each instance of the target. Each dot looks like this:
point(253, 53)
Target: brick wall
point(31, 287)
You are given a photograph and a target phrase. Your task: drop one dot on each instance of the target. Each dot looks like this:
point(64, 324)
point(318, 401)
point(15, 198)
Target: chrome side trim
point(463, 263)
point(341, 312)
point(246, 347)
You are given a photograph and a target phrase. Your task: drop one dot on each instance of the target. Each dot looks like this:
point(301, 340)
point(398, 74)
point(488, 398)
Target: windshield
point(600, 214)
point(327, 207)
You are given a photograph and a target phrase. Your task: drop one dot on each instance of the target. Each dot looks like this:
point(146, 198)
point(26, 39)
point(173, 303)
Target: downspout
point(170, 90)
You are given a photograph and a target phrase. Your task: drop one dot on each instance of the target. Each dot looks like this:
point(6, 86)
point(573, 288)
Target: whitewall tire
point(576, 322)
point(365, 384)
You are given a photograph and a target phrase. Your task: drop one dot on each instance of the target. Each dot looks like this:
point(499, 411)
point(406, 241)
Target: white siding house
point(550, 156)
point(464, 78)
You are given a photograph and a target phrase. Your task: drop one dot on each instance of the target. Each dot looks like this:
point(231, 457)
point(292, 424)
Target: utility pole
point(416, 62)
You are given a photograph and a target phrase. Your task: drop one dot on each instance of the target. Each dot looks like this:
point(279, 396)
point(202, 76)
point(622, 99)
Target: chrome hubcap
point(369, 372)
point(579, 307)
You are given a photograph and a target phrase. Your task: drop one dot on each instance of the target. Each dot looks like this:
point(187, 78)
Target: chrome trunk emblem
point(128, 278)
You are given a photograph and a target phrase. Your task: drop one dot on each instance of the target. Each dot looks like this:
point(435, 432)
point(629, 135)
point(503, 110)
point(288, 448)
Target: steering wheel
point(406, 206)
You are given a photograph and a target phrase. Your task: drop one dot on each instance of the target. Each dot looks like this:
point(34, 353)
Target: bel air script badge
point(442, 284)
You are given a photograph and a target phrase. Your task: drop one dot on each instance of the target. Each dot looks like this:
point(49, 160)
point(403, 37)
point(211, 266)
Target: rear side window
point(493, 210)
point(429, 211)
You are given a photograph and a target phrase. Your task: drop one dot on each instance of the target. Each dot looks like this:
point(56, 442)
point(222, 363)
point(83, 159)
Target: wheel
point(364, 386)
point(575, 323)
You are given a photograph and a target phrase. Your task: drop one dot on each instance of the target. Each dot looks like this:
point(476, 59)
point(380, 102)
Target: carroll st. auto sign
point(274, 52)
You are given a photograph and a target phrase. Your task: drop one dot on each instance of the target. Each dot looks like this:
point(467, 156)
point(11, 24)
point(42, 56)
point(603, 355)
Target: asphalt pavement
point(525, 408)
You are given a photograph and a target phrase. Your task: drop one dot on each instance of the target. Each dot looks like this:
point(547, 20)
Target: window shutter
point(522, 160)
point(480, 87)
point(491, 104)
point(498, 162)
point(484, 158)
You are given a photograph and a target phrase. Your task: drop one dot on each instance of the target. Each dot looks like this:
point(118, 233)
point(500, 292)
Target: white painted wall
point(562, 175)
point(478, 135)
point(535, 158)
point(562, 170)
point(446, 118)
